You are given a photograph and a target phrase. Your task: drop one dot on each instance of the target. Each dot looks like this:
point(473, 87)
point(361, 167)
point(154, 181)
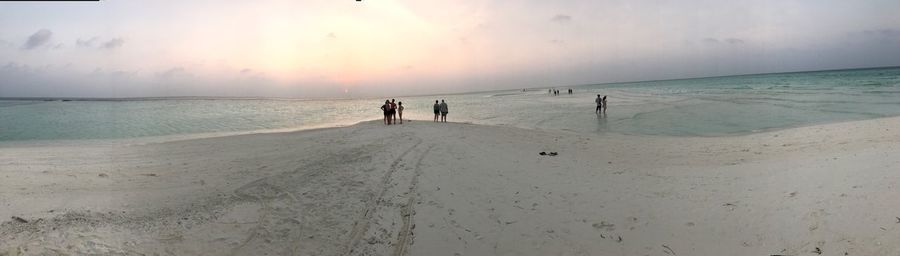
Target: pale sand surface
point(426, 188)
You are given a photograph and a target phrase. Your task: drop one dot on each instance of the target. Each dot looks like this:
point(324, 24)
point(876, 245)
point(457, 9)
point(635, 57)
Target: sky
point(347, 48)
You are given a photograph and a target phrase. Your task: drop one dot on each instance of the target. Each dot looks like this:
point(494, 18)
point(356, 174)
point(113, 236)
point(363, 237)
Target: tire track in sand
point(405, 237)
point(361, 225)
point(269, 190)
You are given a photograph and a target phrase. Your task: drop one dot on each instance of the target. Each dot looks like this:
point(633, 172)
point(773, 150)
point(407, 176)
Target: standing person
point(599, 102)
point(400, 111)
point(437, 110)
point(604, 104)
point(444, 111)
point(386, 108)
point(393, 111)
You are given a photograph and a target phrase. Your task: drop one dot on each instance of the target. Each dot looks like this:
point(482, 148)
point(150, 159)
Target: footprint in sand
point(604, 225)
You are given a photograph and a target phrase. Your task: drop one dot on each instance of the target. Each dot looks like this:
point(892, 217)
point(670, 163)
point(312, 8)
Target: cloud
point(94, 42)
point(39, 38)
point(734, 41)
point(885, 35)
point(246, 70)
point(174, 73)
point(12, 67)
point(731, 40)
point(113, 43)
point(710, 40)
point(118, 74)
point(883, 32)
point(561, 18)
point(5, 43)
point(86, 43)
point(332, 36)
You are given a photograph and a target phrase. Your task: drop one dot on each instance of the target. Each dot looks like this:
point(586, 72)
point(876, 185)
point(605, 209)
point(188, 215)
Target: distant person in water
point(400, 111)
point(599, 102)
point(386, 108)
point(604, 104)
point(437, 110)
point(393, 111)
point(444, 111)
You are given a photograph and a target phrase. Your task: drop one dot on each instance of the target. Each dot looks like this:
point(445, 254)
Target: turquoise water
point(690, 107)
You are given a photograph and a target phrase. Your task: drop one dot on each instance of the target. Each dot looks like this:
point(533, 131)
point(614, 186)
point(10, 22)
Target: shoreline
point(427, 188)
point(194, 136)
point(166, 138)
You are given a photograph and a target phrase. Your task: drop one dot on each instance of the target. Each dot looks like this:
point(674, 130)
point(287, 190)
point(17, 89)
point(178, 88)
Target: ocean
point(716, 106)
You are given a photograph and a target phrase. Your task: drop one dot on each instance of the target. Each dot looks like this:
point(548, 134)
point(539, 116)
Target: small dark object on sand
point(19, 219)
point(818, 251)
point(553, 154)
point(542, 153)
point(898, 219)
point(670, 250)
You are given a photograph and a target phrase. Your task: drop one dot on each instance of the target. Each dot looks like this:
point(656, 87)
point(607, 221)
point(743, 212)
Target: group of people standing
point(441, 109)
point(556, 92)
point(601, 104)
point(391, 110)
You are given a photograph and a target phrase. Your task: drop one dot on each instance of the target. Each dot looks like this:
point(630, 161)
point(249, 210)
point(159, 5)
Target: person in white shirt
point(400, 111)
point(444, 111)
point(604, 104)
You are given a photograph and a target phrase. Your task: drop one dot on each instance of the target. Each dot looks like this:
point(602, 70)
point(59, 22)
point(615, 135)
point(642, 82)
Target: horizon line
point(197, 97)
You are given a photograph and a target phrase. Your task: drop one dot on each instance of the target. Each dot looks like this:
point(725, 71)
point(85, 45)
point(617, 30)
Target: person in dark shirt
point(386, 108)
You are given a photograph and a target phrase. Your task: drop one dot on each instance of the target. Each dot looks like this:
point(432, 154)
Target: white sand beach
point(425, 188)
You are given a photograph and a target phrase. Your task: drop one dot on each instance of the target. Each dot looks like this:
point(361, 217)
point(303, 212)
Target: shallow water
point(689, 107)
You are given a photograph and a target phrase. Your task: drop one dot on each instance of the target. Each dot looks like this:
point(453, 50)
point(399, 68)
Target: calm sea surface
point(689, 107)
